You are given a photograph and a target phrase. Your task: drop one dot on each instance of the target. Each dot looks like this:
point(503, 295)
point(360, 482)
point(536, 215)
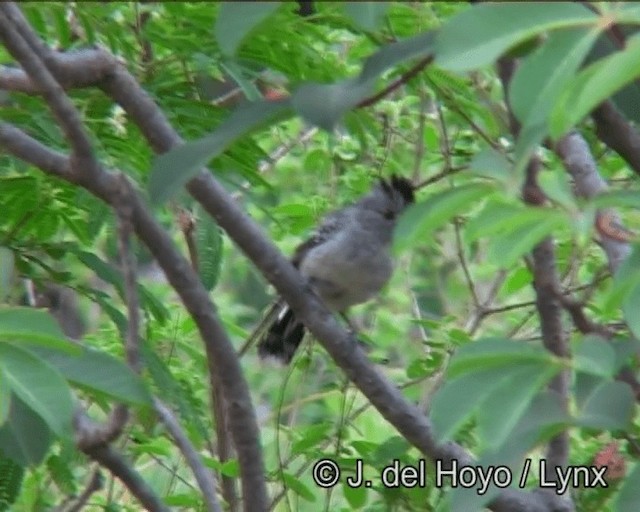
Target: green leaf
point(540, 77)
point(498, 218)
point(39, 385)
point(479, 35)
point(7, 273)
point(25, 436)
point(190, 500)
point(497, 352)
point(324, 104)
point(5, 399)
point(512, 230)
point(34, 326)
point(236, 19)
point(584, 386)
point(208, 240)
point(556, 186)
point(173, 169)
point(491, 164)
point(610, 407)
point(393, 447)
point(355, 496)
point(507, 403)
point(594, 85)
point(103, 270)
point(393, 54)
point(626, 282)
point(630, 308)
point(422, 218)
point(545, 417)
point(366, 15)
point(294, 483)
point(458, 400)
point(628, 498)
point(98, 372)
point(504, 251)
point(249, 89)
point(595, 356)
point(11, 474)
point(310, 437)
point(229, 468)
point(624, 349)
point(530, 138)
point(108, 273)
point(617, 198)
point(61, 473)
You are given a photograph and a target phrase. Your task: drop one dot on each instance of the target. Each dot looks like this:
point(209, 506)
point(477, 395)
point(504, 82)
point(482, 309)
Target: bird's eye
point(389, 214)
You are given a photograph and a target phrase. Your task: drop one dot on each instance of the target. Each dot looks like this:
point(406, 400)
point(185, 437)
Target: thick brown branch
point(615, 131)
point(546, 283)
point(109, 458)
point(407, 418)
point(221, 355)
point(385, 397)
point(577, 159)
point(60, 104)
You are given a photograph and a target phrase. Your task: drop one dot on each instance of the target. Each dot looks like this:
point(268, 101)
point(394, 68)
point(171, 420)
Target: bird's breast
point(346, 274)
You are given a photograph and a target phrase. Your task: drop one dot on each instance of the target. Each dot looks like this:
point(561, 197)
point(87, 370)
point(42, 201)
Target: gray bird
point(346, 262)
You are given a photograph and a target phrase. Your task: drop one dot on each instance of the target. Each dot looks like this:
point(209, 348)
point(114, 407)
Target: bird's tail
point(278, 334)
point(282, 337)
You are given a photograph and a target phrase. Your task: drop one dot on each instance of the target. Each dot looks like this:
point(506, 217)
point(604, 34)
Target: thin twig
point(440, 176)
point(394, 85)
point(77, 504)
point(203, 476)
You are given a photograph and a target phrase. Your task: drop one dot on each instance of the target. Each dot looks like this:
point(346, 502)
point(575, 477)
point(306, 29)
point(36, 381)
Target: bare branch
point(221, 355)
point(78, 68)
point(54, 95)
point(340, 344)
point(203, 476)
point(423, 63)
point(409, 420)
point(546, 283)
point(448, 171)
point(120, 414)
point(24, 147)
point(577, 159)
point(616, 132)
point(223, 443)
point(109, 458)
point(128, 266)
point(78, 503)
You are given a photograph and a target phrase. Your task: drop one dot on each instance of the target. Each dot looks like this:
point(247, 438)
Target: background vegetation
point(507, 334)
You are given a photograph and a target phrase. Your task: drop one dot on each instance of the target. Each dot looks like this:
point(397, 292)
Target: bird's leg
point(353, 332)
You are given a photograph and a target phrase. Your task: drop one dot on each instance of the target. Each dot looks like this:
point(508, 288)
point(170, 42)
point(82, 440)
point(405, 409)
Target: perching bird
point(346, 262)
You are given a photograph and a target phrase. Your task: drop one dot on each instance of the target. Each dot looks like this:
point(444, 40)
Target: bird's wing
point(329, 226)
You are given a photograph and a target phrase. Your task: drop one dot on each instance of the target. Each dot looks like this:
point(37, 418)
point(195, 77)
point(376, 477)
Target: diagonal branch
point(60, 104)
point(577, 159)
point(408, 419)
point(383, 395)
point(615, 131)
point(203, 476)
point(221, 355)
